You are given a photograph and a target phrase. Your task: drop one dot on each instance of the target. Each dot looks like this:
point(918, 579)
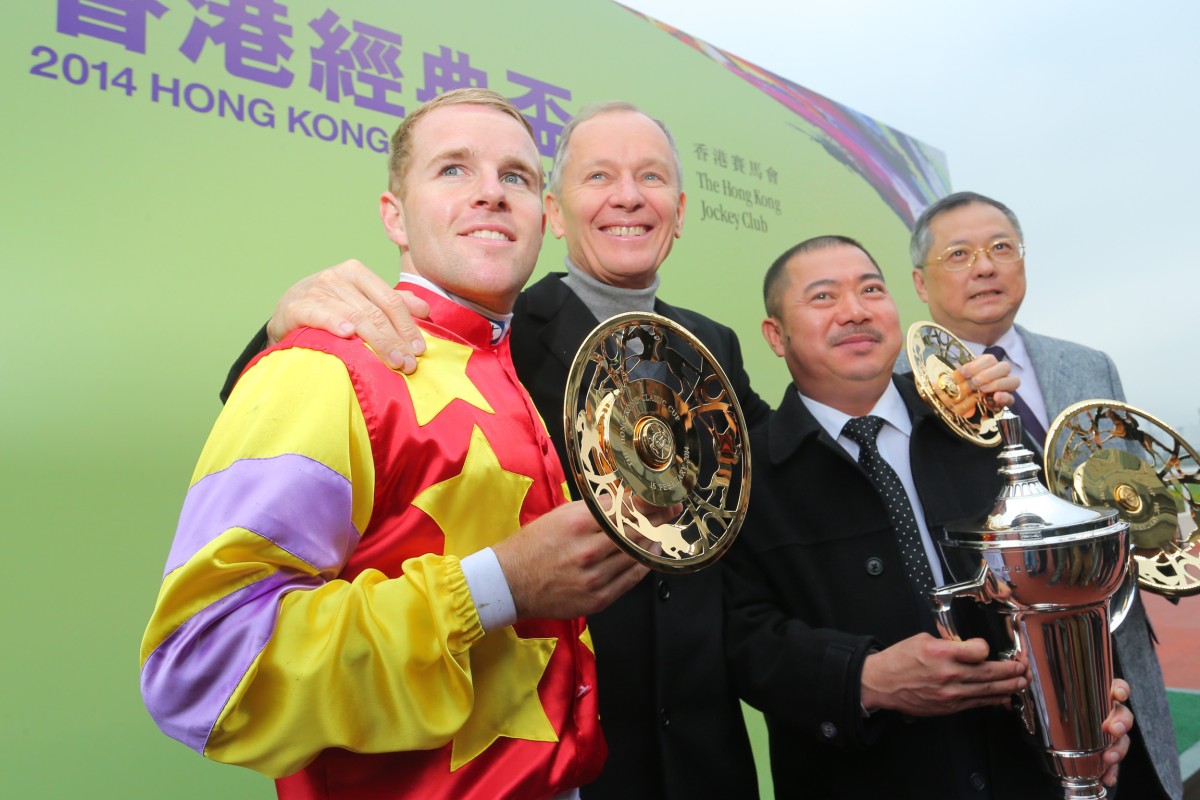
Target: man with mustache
point(968, 253)
point(673, 724)
point(828, 629)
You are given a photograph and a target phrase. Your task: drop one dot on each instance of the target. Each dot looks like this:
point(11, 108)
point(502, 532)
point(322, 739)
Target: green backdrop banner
point(171, 166)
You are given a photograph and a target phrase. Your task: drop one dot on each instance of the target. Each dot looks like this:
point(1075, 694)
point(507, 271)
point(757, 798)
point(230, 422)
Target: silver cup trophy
point(1044, 569)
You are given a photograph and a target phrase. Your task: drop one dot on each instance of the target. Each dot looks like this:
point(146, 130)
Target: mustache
point(857, 330)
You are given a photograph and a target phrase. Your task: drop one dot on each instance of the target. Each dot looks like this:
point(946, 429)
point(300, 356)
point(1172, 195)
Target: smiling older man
point(674, 727)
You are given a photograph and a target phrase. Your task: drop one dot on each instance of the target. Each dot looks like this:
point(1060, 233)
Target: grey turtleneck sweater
point(606, 301)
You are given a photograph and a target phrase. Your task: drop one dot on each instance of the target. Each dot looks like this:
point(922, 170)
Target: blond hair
point(401, 148)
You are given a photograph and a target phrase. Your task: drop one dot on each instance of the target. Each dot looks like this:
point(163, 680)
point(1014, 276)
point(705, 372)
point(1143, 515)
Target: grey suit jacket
point(1070, 373)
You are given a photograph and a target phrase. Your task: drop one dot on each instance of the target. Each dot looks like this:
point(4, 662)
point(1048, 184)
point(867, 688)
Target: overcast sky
point(1082, 117)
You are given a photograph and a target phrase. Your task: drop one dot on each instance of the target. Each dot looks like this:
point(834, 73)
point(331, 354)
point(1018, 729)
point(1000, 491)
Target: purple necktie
point(1028, 419)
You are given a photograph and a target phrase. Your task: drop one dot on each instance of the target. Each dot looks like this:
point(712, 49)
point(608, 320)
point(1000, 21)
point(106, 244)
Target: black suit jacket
point(673, 723)
point(815, 582)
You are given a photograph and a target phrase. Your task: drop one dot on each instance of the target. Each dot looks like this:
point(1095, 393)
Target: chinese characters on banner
point(747, 186)
point(348, 61)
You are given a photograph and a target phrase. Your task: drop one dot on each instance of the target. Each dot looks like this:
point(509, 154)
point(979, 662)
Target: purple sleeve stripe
point(298, 504)
point(188, 680)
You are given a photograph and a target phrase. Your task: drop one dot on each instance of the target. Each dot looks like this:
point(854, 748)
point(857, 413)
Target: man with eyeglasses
point(968, 254)
point(969, 267)
point(828, 628)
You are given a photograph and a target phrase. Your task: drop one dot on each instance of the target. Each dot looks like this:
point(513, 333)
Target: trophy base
point(1080, 774)
point(1080, 791)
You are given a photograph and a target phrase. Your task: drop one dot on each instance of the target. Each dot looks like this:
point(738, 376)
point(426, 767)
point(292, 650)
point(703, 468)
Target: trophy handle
point(941, 597)
point(1022, 701)
point(1120, 603)
point(977, 589)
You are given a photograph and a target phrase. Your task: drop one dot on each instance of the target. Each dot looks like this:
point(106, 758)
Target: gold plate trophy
point(1043, 569)
point(1107, 453)
point(934, 354)
point(649, 414)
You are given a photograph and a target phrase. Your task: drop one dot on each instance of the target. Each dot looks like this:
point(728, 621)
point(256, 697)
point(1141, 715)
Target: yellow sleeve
point(256, 653)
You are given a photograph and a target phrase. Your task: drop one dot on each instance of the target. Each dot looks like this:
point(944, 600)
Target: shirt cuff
point(489, 590)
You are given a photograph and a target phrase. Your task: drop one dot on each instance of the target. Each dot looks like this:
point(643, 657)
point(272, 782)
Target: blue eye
point(514, 178)
point(454, 170)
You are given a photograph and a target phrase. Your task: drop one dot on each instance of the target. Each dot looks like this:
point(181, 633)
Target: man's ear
point(553, 216)
point(391, 211)
point(772, 331)
point(679, 216)
point(919, 283)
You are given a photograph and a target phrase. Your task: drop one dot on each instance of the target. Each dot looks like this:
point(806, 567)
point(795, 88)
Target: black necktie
point(1029, 420)
point(916, 564)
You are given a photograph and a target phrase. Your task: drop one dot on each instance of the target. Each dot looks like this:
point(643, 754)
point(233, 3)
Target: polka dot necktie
point(1029, 421)
point(864, 430)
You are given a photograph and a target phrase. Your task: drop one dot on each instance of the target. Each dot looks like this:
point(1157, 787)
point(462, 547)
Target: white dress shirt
point(893, 442)
point(1022, 366)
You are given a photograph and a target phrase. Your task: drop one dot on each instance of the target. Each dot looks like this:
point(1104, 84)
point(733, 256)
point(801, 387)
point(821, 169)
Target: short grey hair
point(922, 237)
point(591, 111)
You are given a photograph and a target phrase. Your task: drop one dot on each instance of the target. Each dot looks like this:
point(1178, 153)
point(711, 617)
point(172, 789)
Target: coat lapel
point(1049, 370)
point(790, 425)
point(562, 319)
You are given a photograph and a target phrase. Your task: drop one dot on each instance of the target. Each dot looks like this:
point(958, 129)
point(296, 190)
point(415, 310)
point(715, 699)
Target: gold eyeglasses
point(1000, 251)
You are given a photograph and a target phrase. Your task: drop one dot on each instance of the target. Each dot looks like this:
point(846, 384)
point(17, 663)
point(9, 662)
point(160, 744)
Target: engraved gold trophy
point(649, 414)
point(1043, 569)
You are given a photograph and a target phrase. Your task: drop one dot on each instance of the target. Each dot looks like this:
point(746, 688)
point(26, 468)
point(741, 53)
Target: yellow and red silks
point(314, 621)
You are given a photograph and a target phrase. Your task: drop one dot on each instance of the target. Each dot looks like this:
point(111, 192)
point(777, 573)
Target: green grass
point(1185, 714)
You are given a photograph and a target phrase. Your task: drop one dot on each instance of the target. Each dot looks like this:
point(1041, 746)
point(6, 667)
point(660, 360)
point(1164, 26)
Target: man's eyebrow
point(993, 237)
point(454, 154)
point(601, 162)
point(518, 163)
point(605, 161)
point(469, 153)
point(819, 282)
point(826, 282)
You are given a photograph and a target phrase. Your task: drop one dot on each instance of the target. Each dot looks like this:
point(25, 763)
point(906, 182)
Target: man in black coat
point(969, 266)
point(826, 631)
point(673, 724)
